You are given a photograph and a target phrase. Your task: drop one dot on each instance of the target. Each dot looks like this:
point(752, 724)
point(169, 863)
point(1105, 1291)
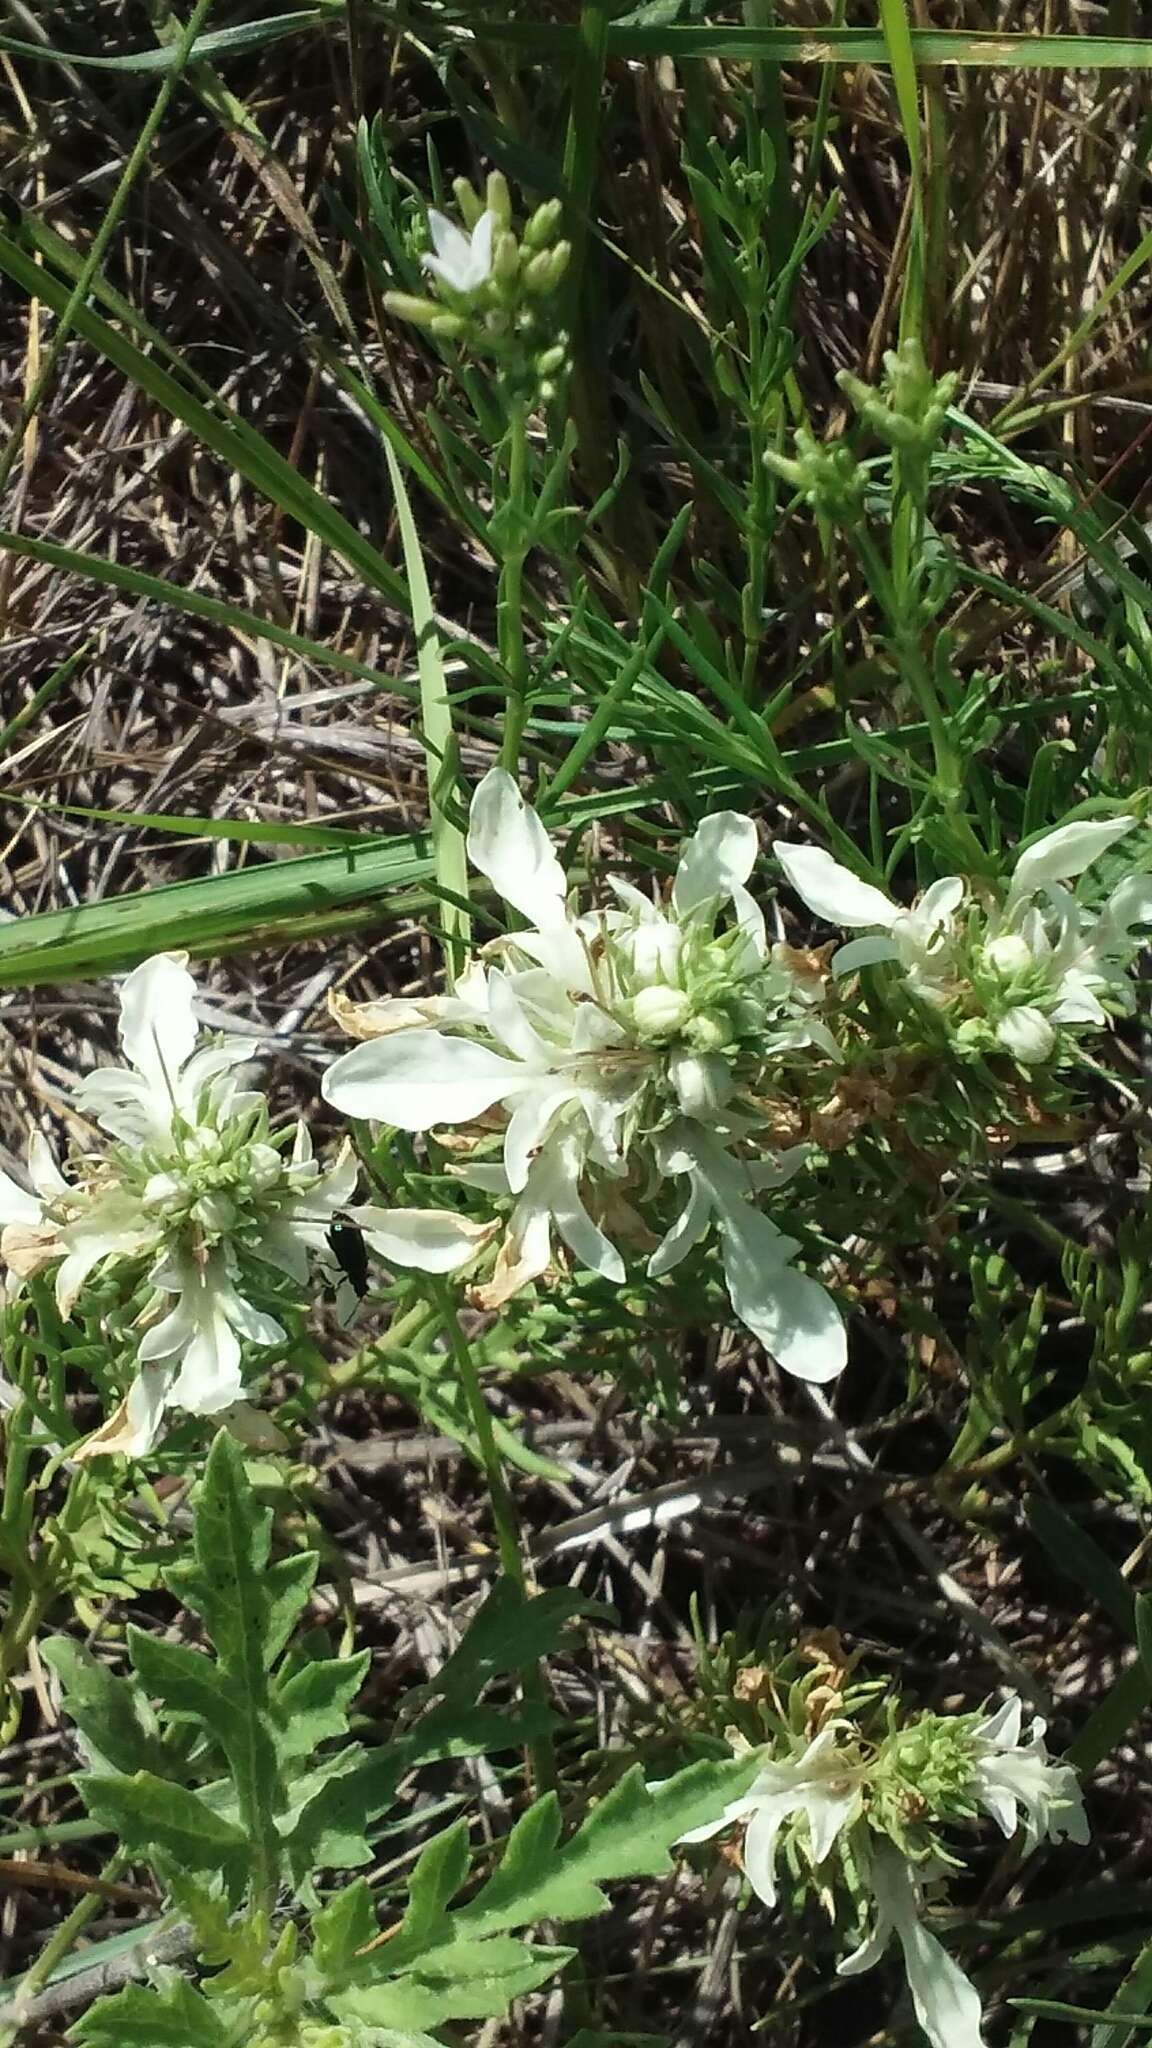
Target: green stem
point(510, 598)
point(91, 266)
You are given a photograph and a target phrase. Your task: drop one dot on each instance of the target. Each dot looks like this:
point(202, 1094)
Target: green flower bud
point(497, 199)
point(505, 258)
point(538, 273)
point(543, 225)
point(468, 200)
point(449, 326)
point(552, 359)
point(421, 312)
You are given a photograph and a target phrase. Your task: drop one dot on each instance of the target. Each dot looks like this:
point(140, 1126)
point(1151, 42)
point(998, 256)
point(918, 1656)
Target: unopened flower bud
point(421, 312)
point(1009, 954)
point(449, 326)
point(551, 360)
point(1027, 1034)
point(468, 200)
point(660, 1011)
point(538, 273)
point(505, 258)
point(497, 198)
point(543, 225)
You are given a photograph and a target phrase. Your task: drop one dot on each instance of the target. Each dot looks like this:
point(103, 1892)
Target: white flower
point(1014, 968)
point(821, 1786)
point(946, 2004)
point(1013, 1774)
point(612, 1041)
point(462, 262)
point(203, 1199)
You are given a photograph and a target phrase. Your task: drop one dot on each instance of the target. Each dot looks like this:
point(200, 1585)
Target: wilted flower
point(623, 1045)
point(198, 1194)
point(866, 1816)
point(1011, 969)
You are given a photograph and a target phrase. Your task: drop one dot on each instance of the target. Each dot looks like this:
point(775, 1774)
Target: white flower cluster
point(198, 1194)
point(823, 1799)
point(580, 1064)
point(623, 1045)
point(1010, 971)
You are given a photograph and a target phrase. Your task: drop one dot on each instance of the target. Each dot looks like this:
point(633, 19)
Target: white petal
point(760, 1843)
point(431, 1240)
point(720, 856)
point(1130, 904)
point(416, 1080)
point(43, 1171)
point(689, 1227)
point(833, 892)
point(866, 952)
point(1002, 1728)
point(16, 1204)
point(145, 1406)
point(828, 1813)
point(794, 1318)
point(740, 1809)
point(554, 1182)
point(157, 1027)
point(509, 845)
point(528, 1127)
point(509, 1014)
point(480, 249)
point(1063, 853)
point(937, 906)
point(453, 258)
point(946, 2003)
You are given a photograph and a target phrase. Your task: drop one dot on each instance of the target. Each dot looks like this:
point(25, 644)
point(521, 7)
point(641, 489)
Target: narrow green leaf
point(245, 624)
point(251, 907)
point(440, 752)
point(218, 42)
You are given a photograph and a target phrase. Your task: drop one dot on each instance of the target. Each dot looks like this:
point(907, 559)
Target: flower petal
point(509, 845)
point(430, 1240)
point(718, 858)
point(16, 1204)
point(158, 1029)
point(1063, 853)
point(866, 952)
point(833, 892)
point(416, 1080)
point(795, 1319)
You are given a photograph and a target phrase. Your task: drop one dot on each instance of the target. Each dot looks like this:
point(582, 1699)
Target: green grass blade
point(440, 751)
point(218, 42)
point(831, 45)
point(219, 427)
point(199, 605)
point(243, 911)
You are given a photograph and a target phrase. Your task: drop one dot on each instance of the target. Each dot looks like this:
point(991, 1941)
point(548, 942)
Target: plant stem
point(510, 597)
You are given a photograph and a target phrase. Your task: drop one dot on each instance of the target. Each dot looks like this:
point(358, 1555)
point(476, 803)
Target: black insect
point(350, 1253)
